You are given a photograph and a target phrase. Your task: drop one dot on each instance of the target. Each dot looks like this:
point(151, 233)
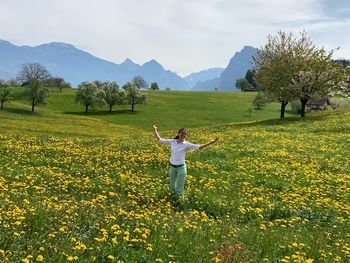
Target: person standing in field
point(178, 148)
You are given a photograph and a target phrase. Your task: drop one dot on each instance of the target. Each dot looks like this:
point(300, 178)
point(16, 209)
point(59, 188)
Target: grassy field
point(94, 188)
point(168, 108)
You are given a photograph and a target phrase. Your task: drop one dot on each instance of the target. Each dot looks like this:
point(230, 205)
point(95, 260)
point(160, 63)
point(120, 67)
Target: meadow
point(94, 187)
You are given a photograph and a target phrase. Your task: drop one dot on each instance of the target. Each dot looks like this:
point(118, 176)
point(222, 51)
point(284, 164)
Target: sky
point(185, 36)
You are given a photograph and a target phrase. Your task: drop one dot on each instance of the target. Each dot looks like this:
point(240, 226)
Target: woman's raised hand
point(154, 126)
point(215, 140)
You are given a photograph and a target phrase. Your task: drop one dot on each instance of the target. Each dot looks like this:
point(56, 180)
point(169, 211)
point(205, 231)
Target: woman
point(178, 149)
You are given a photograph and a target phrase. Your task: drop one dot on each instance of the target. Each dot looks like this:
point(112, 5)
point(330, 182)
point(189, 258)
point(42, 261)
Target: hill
point(170, 109)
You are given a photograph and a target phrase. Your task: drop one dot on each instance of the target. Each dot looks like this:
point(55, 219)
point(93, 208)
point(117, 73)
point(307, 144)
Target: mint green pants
point(177, 179)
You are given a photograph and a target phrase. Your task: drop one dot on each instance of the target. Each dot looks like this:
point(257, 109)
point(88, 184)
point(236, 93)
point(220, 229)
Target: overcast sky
point(185, 36)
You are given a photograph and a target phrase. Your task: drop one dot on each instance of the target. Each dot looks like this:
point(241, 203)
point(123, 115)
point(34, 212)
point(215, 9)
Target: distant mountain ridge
point(75, 65)
point(207, 85)
point(203, 75)
point(237, 68)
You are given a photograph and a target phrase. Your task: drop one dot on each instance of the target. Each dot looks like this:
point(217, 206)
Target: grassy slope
point(270, 191)
point(170, 109)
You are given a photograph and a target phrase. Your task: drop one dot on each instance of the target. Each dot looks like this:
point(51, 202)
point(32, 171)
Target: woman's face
point(182, 134)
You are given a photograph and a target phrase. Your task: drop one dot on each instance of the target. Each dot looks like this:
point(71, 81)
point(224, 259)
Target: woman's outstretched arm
point(156, 134)
point(208, 143)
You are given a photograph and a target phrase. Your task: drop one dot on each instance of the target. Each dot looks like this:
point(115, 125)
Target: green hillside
point(94, 188)
point(170, 109)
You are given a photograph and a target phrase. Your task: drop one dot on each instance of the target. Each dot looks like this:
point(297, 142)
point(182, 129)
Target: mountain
point(237, 68)
point(154, 72)
point(75, 65)
point(128, 64)
point(203, 76)
point(208, 85)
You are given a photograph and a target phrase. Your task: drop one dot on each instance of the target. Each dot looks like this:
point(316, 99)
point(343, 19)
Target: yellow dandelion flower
point(39, 258)
point(72, 258)
point(149, 247)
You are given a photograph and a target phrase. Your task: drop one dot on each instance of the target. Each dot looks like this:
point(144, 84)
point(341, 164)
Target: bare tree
point(140, 82)
point(57, 82)
point(33, 71)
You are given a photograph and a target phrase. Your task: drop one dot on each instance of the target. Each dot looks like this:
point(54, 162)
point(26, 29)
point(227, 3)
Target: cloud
point(183, 35)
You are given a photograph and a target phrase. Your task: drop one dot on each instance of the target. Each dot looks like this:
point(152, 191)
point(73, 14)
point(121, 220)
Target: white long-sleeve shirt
point(178, 150)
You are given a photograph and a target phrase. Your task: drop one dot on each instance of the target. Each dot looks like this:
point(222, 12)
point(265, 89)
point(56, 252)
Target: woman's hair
point(181, 130)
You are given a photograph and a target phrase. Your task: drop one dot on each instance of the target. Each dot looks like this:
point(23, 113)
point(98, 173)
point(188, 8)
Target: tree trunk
point(283, 108)
point(86, 108)
point(33, 105)
point(110, 108)
point(303, 106)
point(2, 105)
point(132, 104)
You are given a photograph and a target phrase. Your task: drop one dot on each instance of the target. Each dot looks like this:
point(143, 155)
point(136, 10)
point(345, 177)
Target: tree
point(249, 76)
point(36, 93)
point(12, 82)
point(344, 62)
point(260, 100)
point(139, 82)
point(133, 95)
point(154, 86)
point(58, 82)
point(318, 81)
point(33, 71)
point(243, 84)
point(65, 85)
point(112, 94)
point(274, 68)
point(289, 67)
point(5, 94)
point(90, 95)
point(346, 86)
point(317, 76)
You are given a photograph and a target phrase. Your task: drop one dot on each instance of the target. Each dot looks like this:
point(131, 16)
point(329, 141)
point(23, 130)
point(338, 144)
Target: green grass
point(170, 109)
point(90, 188)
